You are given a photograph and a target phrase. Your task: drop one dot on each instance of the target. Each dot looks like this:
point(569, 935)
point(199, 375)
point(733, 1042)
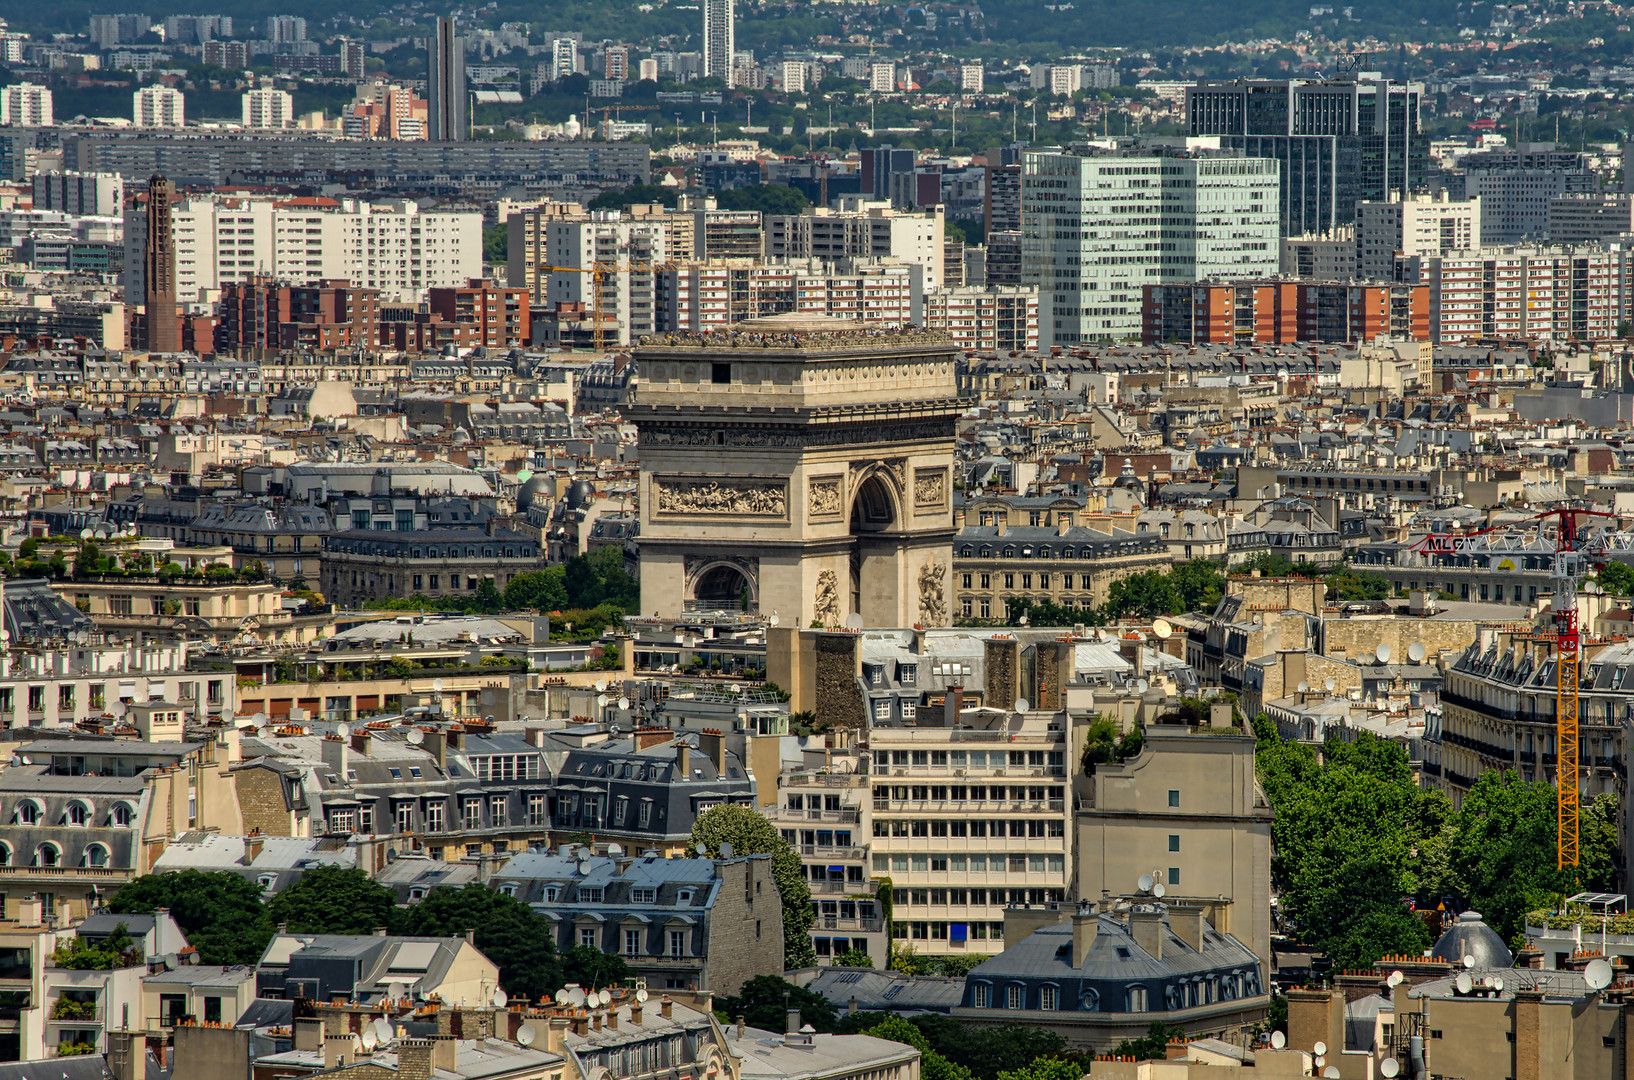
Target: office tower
point(1415, 226)
point(1338, 141)
point(158, 107)
point(197, 29)
point(1097, 228)
point(446, 117)
point(1579, 219)
point(26, 105)
point(159, 270)
point(286, 29)
point(720, 39)
point(267, 109)
point(80, 194)
point(879, 164)
point(1515, 201)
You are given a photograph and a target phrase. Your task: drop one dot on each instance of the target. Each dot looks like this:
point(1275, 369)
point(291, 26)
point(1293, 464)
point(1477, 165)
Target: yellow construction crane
point(598, 272)
point(1575, 541)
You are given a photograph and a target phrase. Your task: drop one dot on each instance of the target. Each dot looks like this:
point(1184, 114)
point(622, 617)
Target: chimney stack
point(664, 1007)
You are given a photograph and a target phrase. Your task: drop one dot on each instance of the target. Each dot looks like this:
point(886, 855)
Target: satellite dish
point(1142, 685)
point(416, 736)
point(1597, 973)
point(853, 621)
point(641, 994)
point(576, 996)
point(1303, 687)
point(1328, 685)
point(1389, 1068)
point(370, 1039)
point(774, 620)
point(1278, 1040)
point(623, 704)
point(499, 999)
point(1498, 984)
point(601, 686)
point(1161, 629)
point(437, 685)
point(1382, 653)
point(702, 848)
point(86, 534)
point(172, 961)
point(1469, 961)
point(1465, 982)
point(1396, 979)
point(1158, 890)
point(1331, 1071)
point(1415, 652)
point(397, 991)
point(1320, 1048)
point(1023, 705)
point(342, 730)
point(525, 1035)
point(382, 1030)
point(726, 849)
point(562, 997)
point(613, 730)
point(1144, 883)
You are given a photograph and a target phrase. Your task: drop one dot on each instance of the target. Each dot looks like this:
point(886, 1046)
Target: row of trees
point(1359, 844)
point(584, 583)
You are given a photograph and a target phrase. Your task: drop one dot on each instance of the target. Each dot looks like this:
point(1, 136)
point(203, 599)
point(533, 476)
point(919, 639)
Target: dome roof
point(1469, 936)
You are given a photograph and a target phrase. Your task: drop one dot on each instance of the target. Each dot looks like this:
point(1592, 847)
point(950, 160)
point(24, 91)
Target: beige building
point(1187, 811)
point(800, 466)
point(224, 610)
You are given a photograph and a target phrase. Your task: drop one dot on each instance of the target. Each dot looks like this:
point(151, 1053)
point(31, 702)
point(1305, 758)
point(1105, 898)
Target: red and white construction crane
point(1575, 541)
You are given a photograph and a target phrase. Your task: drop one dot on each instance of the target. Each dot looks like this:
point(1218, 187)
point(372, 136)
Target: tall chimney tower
point(159, 261)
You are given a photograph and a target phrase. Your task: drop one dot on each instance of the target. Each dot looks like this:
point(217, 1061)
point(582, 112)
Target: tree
point(220, 912)
point(333, 900)
point(1617, 578)
point(854, 958)
point(1198, 584)
point(495, 243)
point(541, 590)
point(767, 198)
point(1046, 1068)
point(750, 833)
point(584, 584)
point(590, 967)
point(1153, 1046)
point(86, 559)
point(637, 193)
point(932, 1065)
point(1146, 593)
point(764, 1001)
point(506, 932)
point(487, 598)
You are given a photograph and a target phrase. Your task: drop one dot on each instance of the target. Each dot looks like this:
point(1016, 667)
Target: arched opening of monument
point(722, 588)
point(873, 558)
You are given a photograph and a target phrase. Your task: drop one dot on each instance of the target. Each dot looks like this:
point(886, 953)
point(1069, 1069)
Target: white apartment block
point(1418, 225)
point(80, 194)
point(1066, 79)
point(392, 246)
point(719, 39)
point(796, 76)
point(881, 77)
point(704, 296)
point(994, 318)
point(1097, 229)
point(564, 58)
point(1325, 256)
point(26, 105)
point(625, 248)
point(972, 78)
point(267, 109)
point(82, 682)
point(1547, 293)
point(157, 107)
point(1585, 218)
point(860, 229)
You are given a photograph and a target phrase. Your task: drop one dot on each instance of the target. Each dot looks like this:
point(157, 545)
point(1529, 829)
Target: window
point(537, 810)
point(677, 943)
point(1047, 998)
point(496, 811)
point(1174, 842)
point(882, 709)
point(587, 936)
point(473, 813)
point(644, 896)
point(1174, 875)
point(1013, 997)
point(78, 814)
point(644, 814)
point(978, 996)
point(1174, 797)
point(632, 943)
point(434, 817)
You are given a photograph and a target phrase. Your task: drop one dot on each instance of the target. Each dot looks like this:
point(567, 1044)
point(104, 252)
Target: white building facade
point(267, 109)
point(1417, 225)
point(158, 107)
point(26, 105)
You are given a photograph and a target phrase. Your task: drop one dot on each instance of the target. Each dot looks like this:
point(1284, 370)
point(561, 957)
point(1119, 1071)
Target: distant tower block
point(801, 465)
point(159, 308)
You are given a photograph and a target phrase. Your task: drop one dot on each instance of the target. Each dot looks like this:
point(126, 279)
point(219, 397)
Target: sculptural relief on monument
point(930, 487)
point(714, 497)
point(826, 609)
point(932, 599)
point(824, 498)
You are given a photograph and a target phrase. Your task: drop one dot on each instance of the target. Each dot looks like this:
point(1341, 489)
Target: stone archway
point(722, 584)
point(875, 548)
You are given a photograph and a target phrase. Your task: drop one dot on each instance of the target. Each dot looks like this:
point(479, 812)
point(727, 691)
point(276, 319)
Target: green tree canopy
point(220, 912)
point(506, 932)
point(1152, 1046)
point(643, 194)
point(764, 1001)
point(750, 833)
point(1617, 578)
point(542, 590)
point(333, 900)
point(590, 967)
point(767, 198)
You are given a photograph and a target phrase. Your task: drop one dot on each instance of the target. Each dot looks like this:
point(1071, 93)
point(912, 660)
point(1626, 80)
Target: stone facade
point(800, 466)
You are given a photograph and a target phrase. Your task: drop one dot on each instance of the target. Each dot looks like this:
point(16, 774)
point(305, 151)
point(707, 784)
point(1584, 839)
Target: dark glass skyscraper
point(446, 117)
point(1338, 140)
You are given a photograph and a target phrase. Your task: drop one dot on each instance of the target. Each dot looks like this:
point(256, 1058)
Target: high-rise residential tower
point(720, 39)
point(447, 119)
point(159, 264)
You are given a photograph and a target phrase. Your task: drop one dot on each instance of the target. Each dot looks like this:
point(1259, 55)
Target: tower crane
point(1575, 541)
point(598, 272)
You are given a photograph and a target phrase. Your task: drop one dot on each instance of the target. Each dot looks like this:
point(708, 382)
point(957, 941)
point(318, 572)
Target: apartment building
point(1417, 225)
point(79, 194)
point(1584, 218)
point(1092, 223)
point(604, 252)
point(1515, 202)
point(1072, 565)
point(995, 318)
point(158, 106)
point(824, 811)
point(1283, 312)
point(26, 105)
point(499, 315)
point(860, 229)
point(708, 296)
point(394, 247)
point(268, 109)
point(1551, 294)
point(1331, 257)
